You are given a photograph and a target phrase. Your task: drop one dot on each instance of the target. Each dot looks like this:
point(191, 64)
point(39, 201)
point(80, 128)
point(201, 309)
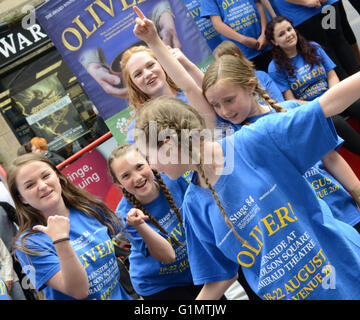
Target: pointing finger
point(139, 12)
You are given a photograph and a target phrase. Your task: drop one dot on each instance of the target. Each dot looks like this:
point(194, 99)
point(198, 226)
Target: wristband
point(61, 240)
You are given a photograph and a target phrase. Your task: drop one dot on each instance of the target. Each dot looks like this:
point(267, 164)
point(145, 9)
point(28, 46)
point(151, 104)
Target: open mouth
point(232, 117)
point(142, 185)
point(151, 81)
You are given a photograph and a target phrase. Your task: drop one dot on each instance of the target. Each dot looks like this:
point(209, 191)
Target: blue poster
point(91, 36)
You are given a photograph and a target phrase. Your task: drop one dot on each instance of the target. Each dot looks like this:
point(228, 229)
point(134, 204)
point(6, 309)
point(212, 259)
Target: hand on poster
point(106, 80)
point(167, 30)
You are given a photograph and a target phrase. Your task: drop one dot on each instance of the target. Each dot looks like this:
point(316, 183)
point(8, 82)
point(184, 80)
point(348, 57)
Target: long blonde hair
point(136, 96)
point(239, 71)
point(181, 119)
point(73, 196)
point(122, 150)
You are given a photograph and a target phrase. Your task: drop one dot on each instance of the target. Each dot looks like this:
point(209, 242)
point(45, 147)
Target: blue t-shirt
point(205, 26)
point(3, 291)
point(226, 128)
point(242, 16)
point(148, 275)
point(293, 242)
point(327, 188)
point(94, 248)
point(269, 85)
point(308, 82)
point(296, 13)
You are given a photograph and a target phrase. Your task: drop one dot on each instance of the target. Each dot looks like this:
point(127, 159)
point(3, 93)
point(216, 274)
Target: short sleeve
point(42, 266)
point(210, 8)
point(207, 262)
point(303, 135)
point(279, 77)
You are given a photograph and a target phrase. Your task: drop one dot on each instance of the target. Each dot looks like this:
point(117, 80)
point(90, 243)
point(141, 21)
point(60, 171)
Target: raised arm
point(145, 30)
point(72, 279)
point(339, 97)
point(336, 165)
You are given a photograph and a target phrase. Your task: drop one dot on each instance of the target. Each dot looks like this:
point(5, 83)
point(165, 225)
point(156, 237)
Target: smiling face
point(147, 74)
point(134, 174)
point(231, 101)
point(284, 35)
point(39, 186)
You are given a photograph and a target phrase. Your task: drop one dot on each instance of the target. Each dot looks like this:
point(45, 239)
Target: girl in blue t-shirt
point(303, 71)
point(320, 21)
point(145, 79)
point(65, 234)
point(226, 103)
point(205, 26)
point(244, 23)
point(229, 47)
point(244, 205)
point(159, 266)
point(223, 109)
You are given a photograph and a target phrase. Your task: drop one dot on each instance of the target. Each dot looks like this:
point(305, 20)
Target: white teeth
point(140, 185)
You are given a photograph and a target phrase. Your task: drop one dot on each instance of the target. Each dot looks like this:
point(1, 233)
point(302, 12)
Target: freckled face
point(147, 74)
point(230, 101)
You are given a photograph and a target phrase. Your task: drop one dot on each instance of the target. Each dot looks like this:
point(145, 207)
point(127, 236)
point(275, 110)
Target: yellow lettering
point(127, 6)
point(83, 28)
point(246, 253)
point(101, 248)
point(76, 34)
point(269, 224)
point(109, 10)
point(86, 263)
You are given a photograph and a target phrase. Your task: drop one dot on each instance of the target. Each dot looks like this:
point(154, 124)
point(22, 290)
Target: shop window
point(43, 98)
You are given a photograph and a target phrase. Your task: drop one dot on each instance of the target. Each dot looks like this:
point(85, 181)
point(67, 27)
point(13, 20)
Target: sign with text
point(91, 36)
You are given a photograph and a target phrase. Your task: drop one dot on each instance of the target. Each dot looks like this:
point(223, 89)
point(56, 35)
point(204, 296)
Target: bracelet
point(61, 240)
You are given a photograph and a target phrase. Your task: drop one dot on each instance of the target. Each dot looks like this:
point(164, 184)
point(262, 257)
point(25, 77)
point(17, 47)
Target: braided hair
point(122, 150)
point(180, 118)
point(239, 71)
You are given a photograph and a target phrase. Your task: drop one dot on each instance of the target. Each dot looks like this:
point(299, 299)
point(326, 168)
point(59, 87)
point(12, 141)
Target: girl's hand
point(58, 227)
point(144, 28)
point(178, 54)
point(313, 3)
point(250, 42)
point(135, 217)
point(262, 42)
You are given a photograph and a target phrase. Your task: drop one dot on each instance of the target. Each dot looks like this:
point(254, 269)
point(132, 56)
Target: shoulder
point(289, 104)
point(273, 70)
point(123, 207)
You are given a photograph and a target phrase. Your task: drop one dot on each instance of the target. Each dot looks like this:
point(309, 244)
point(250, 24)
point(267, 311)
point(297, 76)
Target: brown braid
point(170, 113)
point(263, 94)
point(216, 197)
point(169, 197)
point(120, 151)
